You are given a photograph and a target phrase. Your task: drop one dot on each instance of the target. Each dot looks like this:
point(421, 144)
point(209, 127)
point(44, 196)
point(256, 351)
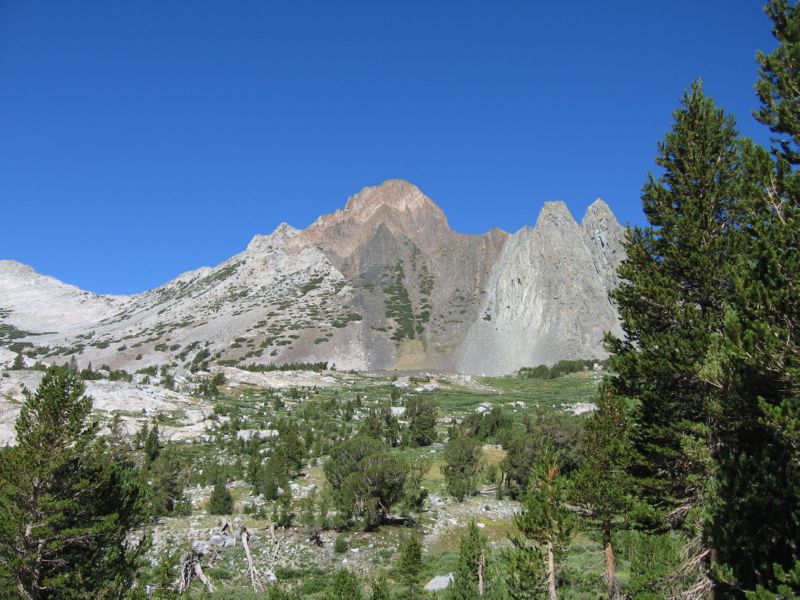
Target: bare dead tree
point(190, 567)
point(255, 578)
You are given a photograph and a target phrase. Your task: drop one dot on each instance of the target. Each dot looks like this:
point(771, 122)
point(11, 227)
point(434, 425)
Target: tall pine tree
point(671, 300)
point(66, 507)
point(602, 485)
point(755, 360)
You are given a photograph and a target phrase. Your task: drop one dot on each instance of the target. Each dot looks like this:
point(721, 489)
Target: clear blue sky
point(141, 139)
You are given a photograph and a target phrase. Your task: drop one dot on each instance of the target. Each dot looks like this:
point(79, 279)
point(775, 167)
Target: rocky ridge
point(382, 284)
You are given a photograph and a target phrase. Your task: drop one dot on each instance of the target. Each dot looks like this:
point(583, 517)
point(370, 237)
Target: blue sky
point(142, 139)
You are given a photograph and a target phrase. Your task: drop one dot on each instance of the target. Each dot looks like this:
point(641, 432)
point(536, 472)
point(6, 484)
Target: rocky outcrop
point(603, 237)
point(545, 301)
point(382, 284)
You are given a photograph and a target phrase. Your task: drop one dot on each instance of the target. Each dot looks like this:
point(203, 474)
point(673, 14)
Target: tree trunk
point(206, 581)
point(611, 573)
point(481, 569)
point(551, 572)
point(255, 580)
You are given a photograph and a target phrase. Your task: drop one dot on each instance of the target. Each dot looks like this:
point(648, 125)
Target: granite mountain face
point(382, 284)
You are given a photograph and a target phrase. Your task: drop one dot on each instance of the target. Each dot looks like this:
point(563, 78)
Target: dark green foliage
point(119, 375)
point(220, 502)
point(19, 363)
point(367, 480)
point(399, 307)
point(345, 586)
point(471, 571)
point(381, 425)
point(345, 456)
point(340, 545)
point(561, 434)
point(88, 374)
point(67, 507)
point(525, 577)
point(282, 514)
point(488, 427)
point(318, 366)
point(209, 386)
point(756, 361)
point(164, 579)
point(380, 589)
point(561, 368)
point(602, 484)
point(308, 518)
point(544, 519)
point(8, 332)
point(710, 302)
point(200, 361)
point(462, 456)
point(778, 77)
point(276, 592)
point(421, 415)
point(670, 297)
point(784, 585)
point(168, 477)
point(409, 565)
point(152, 445)
point(654, 558)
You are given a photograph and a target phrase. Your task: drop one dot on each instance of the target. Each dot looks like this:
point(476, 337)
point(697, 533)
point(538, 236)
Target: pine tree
point(409, 564)
point(220, 502)
point(421, 415)
point(19, 363)
point(345, 586)
point(168, 478)
point(602, 484)
point(380, 589)
point(670, 301)
point(545, 520)
point(525, 574)
point(462, 455)
point(469, 582)
point(152, 444)
point(67, 508)
point(755, 361)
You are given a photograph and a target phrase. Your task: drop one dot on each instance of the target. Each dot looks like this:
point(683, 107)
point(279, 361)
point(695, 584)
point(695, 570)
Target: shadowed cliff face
point(382, 284)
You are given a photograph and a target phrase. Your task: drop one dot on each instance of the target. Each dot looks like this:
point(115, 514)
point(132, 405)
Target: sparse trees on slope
point(66, 507)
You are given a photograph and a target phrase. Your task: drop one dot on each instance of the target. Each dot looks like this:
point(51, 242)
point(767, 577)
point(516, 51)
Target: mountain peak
point(555, 213)
point(12, 266)
point(282, 234)
point(598, 210)
point(396, 194)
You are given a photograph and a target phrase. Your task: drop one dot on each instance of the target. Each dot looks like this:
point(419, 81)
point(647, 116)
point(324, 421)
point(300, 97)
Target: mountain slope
point(382, 284)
